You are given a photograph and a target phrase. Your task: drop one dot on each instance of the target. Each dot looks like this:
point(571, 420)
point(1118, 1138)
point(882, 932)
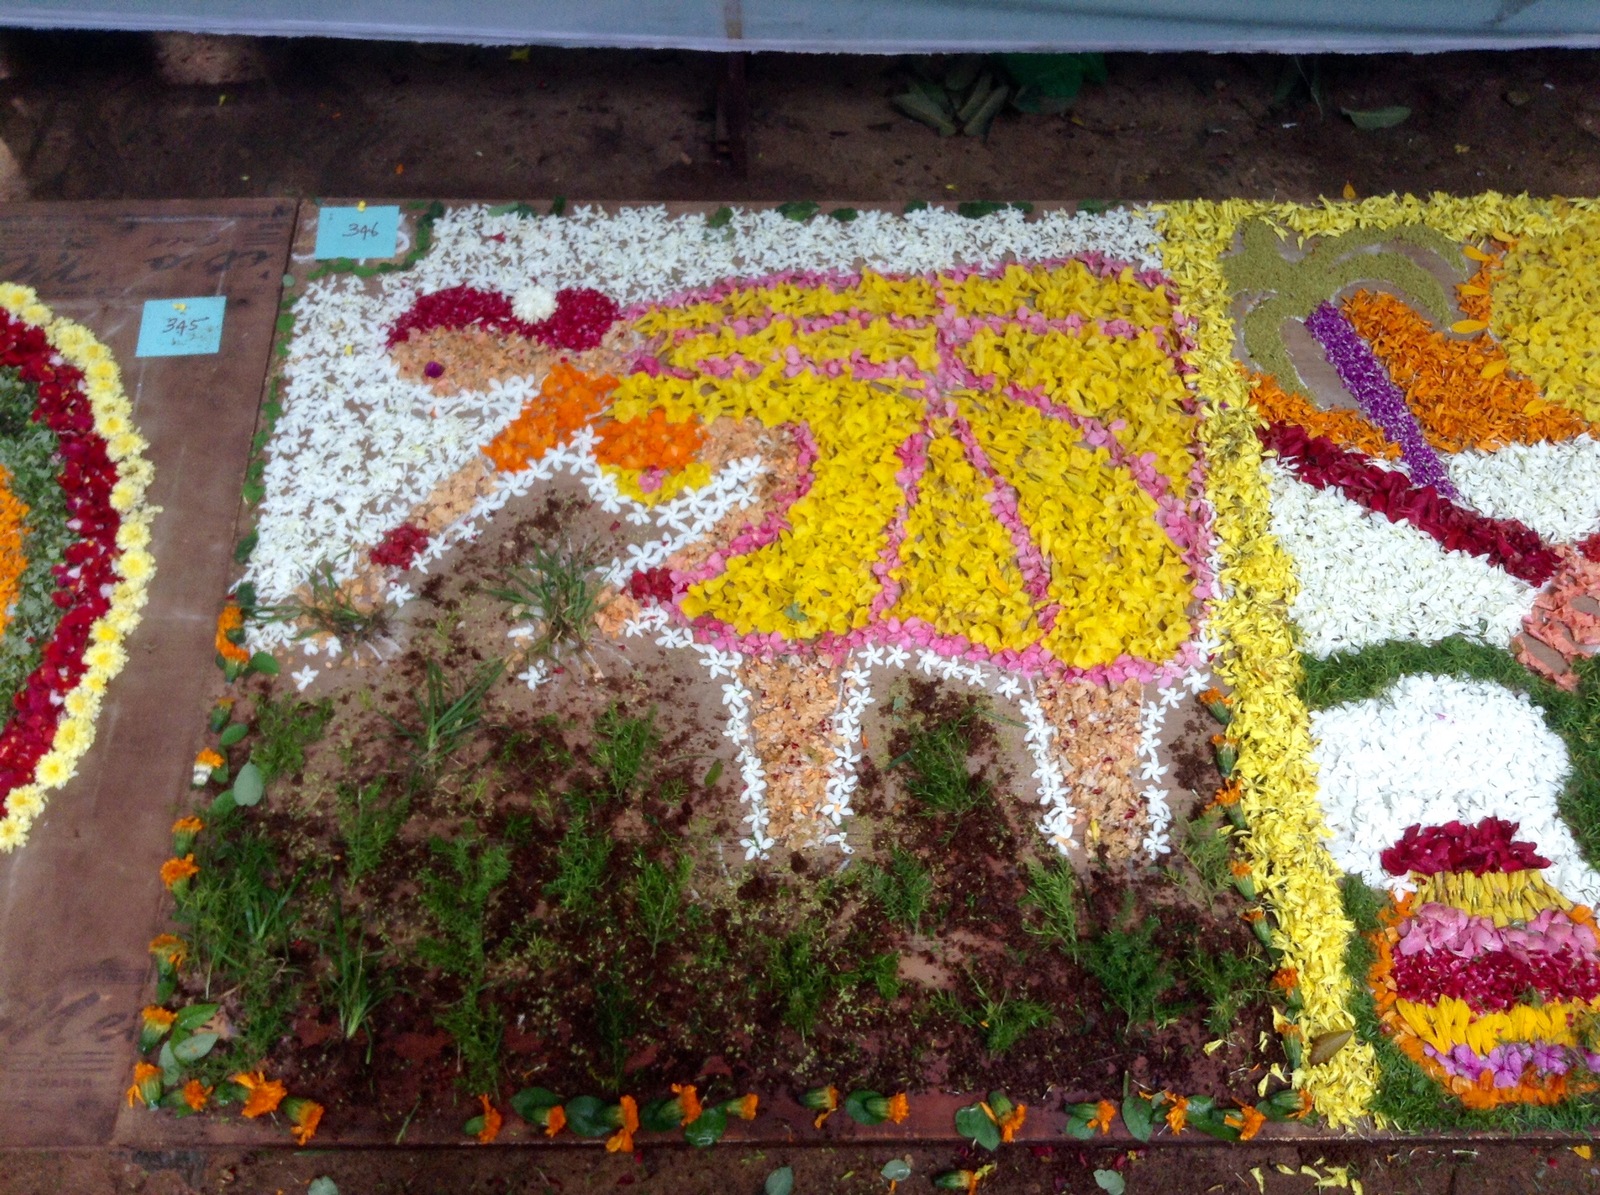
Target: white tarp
point(866, 26)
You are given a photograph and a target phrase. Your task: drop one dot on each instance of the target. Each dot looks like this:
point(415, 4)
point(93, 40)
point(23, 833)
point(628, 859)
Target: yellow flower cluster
point(1292, 868)
point(1507, 898)
point(1451, 1022)
point(106, 655)
point(1122, 585)
point(1547, 311)
point(1283, 843)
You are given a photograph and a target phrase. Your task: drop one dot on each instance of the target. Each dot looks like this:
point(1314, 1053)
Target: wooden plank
point(80, 901)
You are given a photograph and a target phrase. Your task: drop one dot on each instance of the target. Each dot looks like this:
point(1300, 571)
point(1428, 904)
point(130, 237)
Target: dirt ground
point(88, 117)
point(1381, 1169)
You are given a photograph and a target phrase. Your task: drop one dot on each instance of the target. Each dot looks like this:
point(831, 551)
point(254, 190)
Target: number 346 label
point(181, 327)
point(357, 232)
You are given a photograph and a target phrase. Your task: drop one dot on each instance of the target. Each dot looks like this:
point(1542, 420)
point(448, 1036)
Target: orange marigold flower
point(1227, 795)
point(264, 1094)
point(188, 825)
point(209, 759)
point(231, 619)
point(170, 949)
point(688, 1102)
point(157, 1017)
point(1248, 1122)
point(1104, 1112)
point(899, 1108)
point(1306, 1104)
point(146, 1086)
point(825, 1100)
point(1252, 915)
point(492, 1120)
point(555, 1120)
point(747, 1107)
point(174, 870)
point(1286, 978)
point(196, 1095)
point(1012, 1121)
point(622, 1140)
point(1178, 1113)
point(1239, 867)
point(304, 1117)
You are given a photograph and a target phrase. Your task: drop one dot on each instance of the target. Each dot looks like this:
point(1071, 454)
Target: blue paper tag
point(357, 232)
point(181, 327)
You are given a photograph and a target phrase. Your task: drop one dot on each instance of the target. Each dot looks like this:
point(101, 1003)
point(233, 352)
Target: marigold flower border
point(1283, 842)
point(134, 565)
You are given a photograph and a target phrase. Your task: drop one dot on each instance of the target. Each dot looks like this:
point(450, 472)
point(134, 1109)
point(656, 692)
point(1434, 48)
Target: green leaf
point(248, 786)
point(1137, 1112)
point(1059, 76)
point(264, 663)
point(923, 110)
point(558, 205)
point(171, 1070)
point(978, 124)
point(1110, 1181)
point(219, 717)
point(707, 1128)
point(323, 1185)
point(972, 1121)
point(843, 214)
point(799, 210)
point(855, 1107)
point(916, 205)
point(780, 1182)
point(720, 218)
point(530, 1101)
point(588, 1116)
point(245, 546)
point(192, 1017)
point(474, 1126)
point(245, 595)
point(1377, 118)
point(253, 492)
point(713, 774)
point(1078, 1126)
point(234, 733)
point(896, 1170)
point(661, 1116)
point(977, 209)
point(223, 804)
point(193, 1049)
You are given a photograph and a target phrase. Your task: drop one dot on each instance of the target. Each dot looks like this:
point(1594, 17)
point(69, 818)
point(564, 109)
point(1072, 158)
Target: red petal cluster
point(400, 546)
point(85, 576)
point(1319, 462)
point(652, 585)
point(1495, 980)
point(581, 318)
point(1488, 846)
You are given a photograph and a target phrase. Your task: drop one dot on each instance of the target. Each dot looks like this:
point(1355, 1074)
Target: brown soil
point(589, 1005)
point(87, 116)
point(1447, 1168)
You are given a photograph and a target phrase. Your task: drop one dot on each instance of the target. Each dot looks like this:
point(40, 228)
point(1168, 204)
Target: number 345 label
point(357, 232)
point(181, 327)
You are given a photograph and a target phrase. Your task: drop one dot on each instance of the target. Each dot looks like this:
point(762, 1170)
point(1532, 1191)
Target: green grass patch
point(936, 768)
point(1129, 965)
point(284, 729)
point(903, 888)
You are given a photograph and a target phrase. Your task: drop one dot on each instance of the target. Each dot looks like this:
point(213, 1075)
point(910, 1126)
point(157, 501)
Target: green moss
point(1295, 288)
